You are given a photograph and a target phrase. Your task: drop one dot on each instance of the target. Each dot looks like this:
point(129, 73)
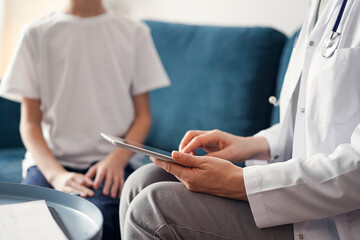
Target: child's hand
point(70, 182)
point(112, 170)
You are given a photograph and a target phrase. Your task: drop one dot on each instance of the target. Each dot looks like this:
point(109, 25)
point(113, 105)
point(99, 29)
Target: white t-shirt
point(85, 71)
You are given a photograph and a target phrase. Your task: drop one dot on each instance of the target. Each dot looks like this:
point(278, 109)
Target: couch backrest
point(221, 78)
point(9, 124)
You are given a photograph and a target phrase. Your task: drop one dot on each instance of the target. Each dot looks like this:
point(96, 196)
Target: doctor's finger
point(172, 168)
point(187, 160)
point(223, 153)
point(201, 141)
point(189, 135)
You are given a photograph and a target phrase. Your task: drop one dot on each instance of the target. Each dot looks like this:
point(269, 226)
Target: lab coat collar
point(309, 33)
point(325, 17)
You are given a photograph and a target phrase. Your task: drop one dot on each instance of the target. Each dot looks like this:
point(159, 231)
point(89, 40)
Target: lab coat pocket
point(335, 96)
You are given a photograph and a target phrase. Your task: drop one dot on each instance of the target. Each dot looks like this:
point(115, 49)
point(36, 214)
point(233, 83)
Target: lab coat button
point(301, 237)
point(276, 156)
point(302, 110)
point(311, 43)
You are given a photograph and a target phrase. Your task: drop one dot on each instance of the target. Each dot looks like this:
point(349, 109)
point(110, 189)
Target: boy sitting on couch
point(78, 73)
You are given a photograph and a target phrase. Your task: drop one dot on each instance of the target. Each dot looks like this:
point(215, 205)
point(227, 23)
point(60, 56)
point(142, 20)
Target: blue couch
point(221, 78)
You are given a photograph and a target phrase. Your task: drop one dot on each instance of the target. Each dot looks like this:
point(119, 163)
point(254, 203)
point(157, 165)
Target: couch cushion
point(221, 78)
point(10, 164)
point(9, 124)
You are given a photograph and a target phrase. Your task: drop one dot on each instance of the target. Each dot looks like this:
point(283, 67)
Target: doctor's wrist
point(259, 148)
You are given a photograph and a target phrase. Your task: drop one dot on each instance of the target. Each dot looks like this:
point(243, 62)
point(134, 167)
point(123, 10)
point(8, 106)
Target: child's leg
point(109, 207)
point(35, 177)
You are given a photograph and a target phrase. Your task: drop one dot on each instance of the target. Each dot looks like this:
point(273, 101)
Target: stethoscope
point(332, 43)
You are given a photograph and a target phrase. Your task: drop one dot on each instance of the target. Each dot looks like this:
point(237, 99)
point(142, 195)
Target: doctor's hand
point(224, 145)
point(73, 182)
point(110, 169)
point(205, 174)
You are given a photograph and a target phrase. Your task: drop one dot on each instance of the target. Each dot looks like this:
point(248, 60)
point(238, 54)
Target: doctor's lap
point(154, 205)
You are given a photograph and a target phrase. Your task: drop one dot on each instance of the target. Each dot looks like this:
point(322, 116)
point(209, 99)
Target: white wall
point(2, 18)
point(285, 15)
point(15, 14)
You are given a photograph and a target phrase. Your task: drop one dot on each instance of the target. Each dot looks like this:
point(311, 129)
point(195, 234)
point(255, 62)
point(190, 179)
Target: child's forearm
point(139, 128)
point(35, 143)
point(32, 136)
point(137, 133)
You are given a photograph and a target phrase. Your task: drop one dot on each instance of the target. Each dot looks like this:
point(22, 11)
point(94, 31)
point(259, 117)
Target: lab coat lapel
point(345, 25)
point(312, 17)
point(323, 19)
point(292, 77)
point(296, 63)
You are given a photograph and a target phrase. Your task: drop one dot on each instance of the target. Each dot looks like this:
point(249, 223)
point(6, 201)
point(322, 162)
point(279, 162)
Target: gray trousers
point(154, 205)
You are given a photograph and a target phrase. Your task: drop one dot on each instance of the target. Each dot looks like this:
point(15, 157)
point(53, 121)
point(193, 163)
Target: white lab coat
point(318, 189)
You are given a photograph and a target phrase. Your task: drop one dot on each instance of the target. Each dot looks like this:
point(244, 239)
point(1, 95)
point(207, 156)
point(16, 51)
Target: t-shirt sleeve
point(20, 79)
point(149, 72)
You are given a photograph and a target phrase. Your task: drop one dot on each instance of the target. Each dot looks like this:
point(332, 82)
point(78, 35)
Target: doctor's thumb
point(185, 159)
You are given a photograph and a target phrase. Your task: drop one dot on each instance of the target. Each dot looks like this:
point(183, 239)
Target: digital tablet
point(139, 148)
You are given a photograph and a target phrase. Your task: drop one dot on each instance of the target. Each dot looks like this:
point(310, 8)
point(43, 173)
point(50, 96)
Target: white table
point(81, 218)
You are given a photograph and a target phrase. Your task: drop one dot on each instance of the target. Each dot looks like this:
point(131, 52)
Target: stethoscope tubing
point(334, 34)
point(339, 17)
point(332, 43)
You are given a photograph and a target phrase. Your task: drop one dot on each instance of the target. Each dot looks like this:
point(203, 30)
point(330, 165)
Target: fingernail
point(175, 154)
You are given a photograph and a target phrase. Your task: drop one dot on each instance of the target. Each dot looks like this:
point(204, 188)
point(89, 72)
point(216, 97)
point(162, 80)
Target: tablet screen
point(139, 148)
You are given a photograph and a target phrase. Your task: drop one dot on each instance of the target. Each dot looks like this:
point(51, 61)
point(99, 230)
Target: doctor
point(309, 187)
